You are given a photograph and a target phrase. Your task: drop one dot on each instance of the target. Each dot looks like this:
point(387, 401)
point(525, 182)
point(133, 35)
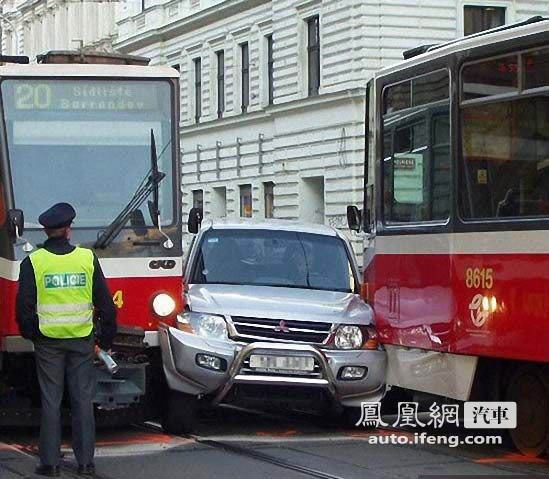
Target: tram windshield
point(87, 142)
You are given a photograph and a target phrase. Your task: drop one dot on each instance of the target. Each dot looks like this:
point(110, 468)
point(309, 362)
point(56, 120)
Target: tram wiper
point(148, 184)
point(154, 205)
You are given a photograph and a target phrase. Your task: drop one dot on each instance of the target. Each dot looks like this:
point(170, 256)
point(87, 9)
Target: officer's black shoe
point(45, 470)
point(86, 469)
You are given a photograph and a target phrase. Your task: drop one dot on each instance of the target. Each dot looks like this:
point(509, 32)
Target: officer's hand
point(98, 349)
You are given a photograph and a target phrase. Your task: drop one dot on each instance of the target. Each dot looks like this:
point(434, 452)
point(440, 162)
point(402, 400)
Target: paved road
point(239, 444)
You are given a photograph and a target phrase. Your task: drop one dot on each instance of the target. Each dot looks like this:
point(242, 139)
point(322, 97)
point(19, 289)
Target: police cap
point(58, 216)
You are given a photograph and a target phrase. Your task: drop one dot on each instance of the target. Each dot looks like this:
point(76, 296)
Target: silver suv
point(273, 315)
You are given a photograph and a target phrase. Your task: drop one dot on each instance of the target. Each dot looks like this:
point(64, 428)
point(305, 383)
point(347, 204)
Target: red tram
point(456, 221)
point(99, 131)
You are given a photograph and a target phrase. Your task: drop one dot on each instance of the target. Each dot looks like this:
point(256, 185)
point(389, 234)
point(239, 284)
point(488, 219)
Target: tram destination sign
point(83, 95)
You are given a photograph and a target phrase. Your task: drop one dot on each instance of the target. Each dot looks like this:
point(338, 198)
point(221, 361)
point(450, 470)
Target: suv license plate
point(286, 363)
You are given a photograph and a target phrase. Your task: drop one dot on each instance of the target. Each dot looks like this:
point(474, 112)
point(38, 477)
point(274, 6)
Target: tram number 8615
point(479, 278)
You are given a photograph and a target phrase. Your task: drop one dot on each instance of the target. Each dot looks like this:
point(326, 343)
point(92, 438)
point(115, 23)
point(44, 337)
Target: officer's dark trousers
point(55, 360)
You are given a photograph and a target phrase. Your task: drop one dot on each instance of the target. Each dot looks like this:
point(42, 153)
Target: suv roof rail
point(428, 48)
point(23, 60)
point(90, 57)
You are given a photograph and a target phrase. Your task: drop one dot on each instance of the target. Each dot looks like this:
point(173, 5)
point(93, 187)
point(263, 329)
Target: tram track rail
point(296, 462)
point(69, 469)
point(244, 451)
point(249, 453)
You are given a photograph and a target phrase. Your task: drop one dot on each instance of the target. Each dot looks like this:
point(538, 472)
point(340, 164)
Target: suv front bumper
point(180, 350)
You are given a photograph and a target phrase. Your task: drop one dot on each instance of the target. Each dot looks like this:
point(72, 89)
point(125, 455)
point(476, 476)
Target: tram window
point(416, 150)
point(398, 97)
point(416, 174)
point(410, 138)
point(403, 140)
point(430, 88)
point(492, 77)
point(441, 167)
point(536, 68)
point(505, 159)
point(422, 90)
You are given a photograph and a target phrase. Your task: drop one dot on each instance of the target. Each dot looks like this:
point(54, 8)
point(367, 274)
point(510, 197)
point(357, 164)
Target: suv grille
point(250, 329)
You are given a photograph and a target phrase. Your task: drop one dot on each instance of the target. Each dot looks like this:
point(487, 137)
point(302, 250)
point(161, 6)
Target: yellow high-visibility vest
point(64, 292)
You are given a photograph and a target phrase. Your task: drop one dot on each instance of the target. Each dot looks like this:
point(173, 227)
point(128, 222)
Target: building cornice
point(187, 24)
point(28, 5)
point(306, 4)
point(352, 94)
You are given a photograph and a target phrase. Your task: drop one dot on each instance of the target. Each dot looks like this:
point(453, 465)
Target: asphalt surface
point(231, 443)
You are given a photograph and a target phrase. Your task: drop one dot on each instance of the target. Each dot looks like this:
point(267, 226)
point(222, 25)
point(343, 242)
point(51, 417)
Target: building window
point(220, 83)
point(197, 89)
point(198, 199)
point(268, 192)
point(142, 5)
point(311, 199)
point(245, 201)
point(219, 202)
point(245, 73)
point(270, 68)
point(478, 18)
point(313, 54)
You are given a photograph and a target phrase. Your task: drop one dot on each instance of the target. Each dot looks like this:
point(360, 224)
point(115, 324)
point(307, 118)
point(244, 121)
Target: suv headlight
point(348, 337)
point(207, 325)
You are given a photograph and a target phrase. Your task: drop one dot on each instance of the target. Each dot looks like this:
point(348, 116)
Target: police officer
point(60, 286)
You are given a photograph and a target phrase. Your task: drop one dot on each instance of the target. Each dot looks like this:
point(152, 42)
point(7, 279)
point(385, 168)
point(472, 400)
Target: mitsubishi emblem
point(282, 328)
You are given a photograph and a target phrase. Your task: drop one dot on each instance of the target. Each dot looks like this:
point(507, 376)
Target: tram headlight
point(163, 304)
point(348, 337)
point(207, 325)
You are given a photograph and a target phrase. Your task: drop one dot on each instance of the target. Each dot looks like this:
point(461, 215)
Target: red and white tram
point(99, 131)
point(456, 218)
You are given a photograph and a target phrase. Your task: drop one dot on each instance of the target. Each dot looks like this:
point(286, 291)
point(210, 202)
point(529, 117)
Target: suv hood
point(279, 303)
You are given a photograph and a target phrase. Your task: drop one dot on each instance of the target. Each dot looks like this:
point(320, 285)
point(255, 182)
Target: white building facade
point(32, 27)
point(257, 138)
point(272, 92)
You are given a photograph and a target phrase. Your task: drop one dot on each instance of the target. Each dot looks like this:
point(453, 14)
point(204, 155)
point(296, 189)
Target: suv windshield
point(62, 132)
point(273, 258)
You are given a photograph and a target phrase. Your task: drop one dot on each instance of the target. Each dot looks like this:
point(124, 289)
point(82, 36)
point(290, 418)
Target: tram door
point(415, 210)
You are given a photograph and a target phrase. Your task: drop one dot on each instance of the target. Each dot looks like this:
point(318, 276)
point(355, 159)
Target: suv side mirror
point(195, 220)
point(16, 223)
point(354, 218)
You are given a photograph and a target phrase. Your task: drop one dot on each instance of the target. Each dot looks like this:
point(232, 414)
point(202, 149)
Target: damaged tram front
point(98, 131)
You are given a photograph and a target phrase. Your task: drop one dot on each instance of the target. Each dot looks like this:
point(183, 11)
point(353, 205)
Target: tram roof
point(87, 70)
point(501, 34)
